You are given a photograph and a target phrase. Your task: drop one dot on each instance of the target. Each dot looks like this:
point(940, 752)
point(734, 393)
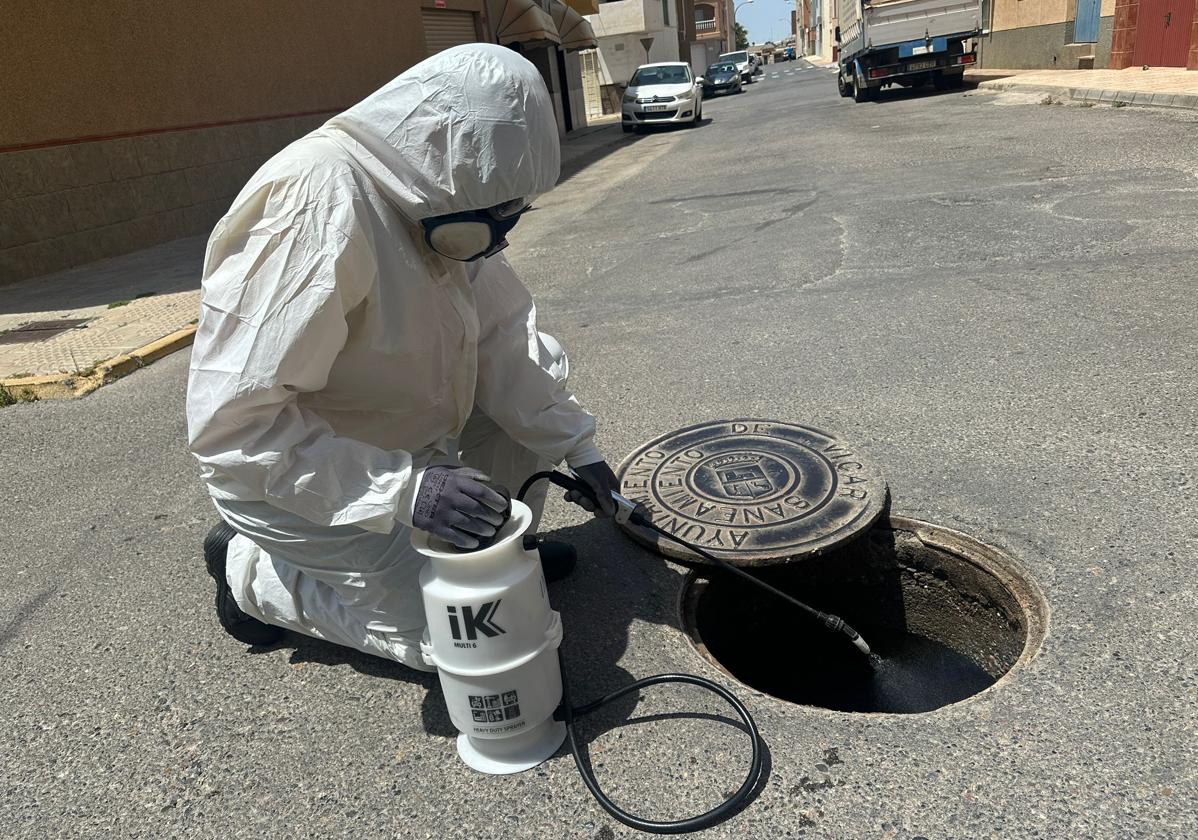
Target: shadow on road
point(162, 269)
point(899, 94)
point(615, 585)
point(669, 128)
point(305, 650)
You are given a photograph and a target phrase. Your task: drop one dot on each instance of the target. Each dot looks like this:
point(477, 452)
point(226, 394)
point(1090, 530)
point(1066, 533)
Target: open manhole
point(946, 616)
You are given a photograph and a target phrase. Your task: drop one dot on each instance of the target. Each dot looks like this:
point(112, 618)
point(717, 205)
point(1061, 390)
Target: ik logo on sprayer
point(474, 623)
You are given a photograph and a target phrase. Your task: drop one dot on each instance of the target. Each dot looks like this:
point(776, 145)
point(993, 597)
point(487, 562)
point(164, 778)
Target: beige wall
point(620, 18)
point(1014, 14)
point(66, 205)
point(84, 69)
point(131, 122)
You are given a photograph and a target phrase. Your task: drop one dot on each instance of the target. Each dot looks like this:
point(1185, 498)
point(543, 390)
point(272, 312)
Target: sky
point(765, 17)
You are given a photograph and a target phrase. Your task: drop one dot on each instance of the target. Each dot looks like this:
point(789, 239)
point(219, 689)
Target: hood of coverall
point(469, 128)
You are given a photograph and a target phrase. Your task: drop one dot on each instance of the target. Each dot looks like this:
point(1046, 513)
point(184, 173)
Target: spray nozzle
point(838, 625)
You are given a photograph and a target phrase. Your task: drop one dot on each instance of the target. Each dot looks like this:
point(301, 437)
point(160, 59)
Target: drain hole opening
point(947, 618)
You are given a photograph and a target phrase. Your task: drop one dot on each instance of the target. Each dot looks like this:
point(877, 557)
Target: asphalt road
point(994, 296)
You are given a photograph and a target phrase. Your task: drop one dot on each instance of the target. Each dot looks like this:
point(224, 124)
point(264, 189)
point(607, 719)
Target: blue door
point(1085, 27)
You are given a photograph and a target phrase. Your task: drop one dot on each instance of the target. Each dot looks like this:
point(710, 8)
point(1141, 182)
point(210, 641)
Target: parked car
point(743, 63)
point(666, 92)
point(722, 77)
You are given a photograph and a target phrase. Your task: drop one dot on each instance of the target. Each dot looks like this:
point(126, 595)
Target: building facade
point(123, 129)
point(1072, 34)
point(549, 33)
point(815, 26)
point(629, 33)
point(1061, 34)
point(712, 33)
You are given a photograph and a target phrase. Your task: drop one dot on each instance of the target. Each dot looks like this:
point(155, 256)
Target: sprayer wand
point(628, 511)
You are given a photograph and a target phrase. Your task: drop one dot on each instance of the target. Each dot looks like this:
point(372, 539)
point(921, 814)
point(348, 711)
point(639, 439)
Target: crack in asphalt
point(736, 194)
point(24, 613)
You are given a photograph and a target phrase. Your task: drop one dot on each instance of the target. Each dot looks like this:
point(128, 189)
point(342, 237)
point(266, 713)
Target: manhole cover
point(40, 331)
point(947, 617)
point(754, 492)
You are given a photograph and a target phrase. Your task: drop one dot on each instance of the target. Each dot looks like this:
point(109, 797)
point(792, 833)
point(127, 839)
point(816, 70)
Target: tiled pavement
point(1172, 87)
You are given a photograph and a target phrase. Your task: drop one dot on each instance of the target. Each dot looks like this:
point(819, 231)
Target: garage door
point(444, 28)
point(1163, 30)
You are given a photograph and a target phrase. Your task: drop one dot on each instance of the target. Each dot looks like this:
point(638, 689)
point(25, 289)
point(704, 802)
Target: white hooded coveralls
point(337, 356)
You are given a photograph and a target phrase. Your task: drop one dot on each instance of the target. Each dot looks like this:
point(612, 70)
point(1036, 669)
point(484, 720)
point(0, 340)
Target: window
point(661, 74)
point(665, 12)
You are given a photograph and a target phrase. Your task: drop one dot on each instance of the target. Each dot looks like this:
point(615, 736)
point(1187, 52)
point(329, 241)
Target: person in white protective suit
point(367, 361)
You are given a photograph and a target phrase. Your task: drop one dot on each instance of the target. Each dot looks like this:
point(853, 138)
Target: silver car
point(662, 93)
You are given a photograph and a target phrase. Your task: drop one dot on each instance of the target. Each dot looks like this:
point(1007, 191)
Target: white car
point(744, 63)
point(662, 93)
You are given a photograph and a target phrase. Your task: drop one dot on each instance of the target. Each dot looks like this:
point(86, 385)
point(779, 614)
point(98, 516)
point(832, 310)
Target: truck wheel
point(862, 93)
point(842, 87)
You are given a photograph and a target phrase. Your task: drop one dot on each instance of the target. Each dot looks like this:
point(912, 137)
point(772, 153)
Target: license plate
point(656, 107)
point(921, 65)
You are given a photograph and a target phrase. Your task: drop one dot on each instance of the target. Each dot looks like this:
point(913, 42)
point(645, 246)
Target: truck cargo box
point(871, 25)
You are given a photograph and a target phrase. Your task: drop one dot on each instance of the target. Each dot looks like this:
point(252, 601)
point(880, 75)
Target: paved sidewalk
point(125, 312)
point(1170, 87)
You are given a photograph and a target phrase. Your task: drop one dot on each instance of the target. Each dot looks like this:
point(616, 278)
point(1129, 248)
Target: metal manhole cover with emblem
point(754, 492)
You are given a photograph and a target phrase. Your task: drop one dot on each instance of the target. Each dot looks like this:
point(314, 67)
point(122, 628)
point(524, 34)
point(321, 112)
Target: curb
point(1098, 95)
point(66, 386)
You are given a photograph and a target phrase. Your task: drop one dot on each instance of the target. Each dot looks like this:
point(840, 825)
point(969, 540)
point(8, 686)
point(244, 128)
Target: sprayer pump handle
point(486, 542)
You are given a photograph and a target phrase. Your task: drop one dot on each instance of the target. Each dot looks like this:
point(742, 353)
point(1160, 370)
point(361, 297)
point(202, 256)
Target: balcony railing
point(705, 25)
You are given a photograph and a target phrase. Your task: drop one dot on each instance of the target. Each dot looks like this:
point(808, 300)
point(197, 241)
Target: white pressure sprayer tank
point(493, 639)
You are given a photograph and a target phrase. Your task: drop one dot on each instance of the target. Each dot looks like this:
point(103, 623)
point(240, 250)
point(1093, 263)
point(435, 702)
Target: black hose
point(567, 713)
point(728, 808)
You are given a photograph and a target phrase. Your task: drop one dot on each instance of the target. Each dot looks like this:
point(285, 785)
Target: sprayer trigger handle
point(624, 508)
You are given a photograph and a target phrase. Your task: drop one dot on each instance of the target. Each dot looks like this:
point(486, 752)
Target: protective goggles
point(473, 234)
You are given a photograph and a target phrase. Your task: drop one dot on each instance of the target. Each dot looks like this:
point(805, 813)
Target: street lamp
point(735, 9)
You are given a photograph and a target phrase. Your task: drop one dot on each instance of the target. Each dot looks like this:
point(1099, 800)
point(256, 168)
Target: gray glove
point(603, 483)
point(455, 504)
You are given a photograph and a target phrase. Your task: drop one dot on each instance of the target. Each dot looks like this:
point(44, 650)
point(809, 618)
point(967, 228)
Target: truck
point(904, 42)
